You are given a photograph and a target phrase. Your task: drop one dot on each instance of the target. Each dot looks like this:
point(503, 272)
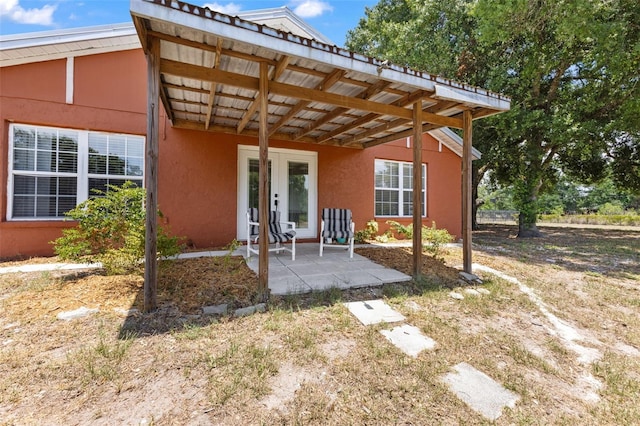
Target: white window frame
point(82, 173)
point(401, 190)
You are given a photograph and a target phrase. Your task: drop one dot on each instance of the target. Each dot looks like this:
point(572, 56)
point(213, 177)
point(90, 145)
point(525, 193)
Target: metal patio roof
point(318, 93)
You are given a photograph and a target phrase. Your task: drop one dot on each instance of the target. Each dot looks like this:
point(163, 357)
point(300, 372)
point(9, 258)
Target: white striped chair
point(276, 235)
point(336, 224)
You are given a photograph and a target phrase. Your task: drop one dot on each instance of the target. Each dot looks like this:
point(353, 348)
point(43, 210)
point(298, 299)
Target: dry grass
point(308, 361)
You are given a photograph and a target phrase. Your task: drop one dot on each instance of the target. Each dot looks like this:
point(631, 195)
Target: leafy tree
point(570, 67)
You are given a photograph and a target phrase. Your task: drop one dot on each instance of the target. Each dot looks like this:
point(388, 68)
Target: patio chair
point(276, 234)
point(336, 229)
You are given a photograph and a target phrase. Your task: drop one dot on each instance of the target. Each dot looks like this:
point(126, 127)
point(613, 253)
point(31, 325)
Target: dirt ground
point(566, 339)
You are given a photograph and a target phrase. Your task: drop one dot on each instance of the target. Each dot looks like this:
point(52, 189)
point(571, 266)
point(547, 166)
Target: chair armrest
point(292, 224)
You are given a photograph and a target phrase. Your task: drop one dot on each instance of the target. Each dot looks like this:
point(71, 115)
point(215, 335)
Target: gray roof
point(318, 93)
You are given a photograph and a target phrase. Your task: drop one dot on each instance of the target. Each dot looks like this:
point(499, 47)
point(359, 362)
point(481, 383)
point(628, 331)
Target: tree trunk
point(528, 204)
point(478, 174)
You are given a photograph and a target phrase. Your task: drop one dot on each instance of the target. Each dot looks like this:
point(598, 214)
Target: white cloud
point(227, 9)
point(12, 10)
point(310, 8)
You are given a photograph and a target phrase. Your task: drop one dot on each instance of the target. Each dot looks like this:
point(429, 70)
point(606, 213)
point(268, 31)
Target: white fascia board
point(318, 52)
point(132, 44)
point(471, 98)
point(69, 35)
point(451, 140)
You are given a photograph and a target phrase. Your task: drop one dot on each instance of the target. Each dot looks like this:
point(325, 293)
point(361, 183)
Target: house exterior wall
point(197, 178)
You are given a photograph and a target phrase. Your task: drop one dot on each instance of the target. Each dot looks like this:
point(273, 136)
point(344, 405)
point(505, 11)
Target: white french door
point(293, 187)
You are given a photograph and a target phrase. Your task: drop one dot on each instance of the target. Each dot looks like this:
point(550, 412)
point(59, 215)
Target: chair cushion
point(275, 230)
point(337, 223)
point(281, 237)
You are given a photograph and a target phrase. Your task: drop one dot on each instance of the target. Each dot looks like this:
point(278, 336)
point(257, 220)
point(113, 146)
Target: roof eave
point(221, 25)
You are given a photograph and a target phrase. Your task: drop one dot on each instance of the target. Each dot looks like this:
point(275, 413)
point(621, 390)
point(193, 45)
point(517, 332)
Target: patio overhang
point(219, 73)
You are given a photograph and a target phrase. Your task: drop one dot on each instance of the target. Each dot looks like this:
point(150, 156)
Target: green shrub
point(433, 239)
point(400, 229)
point(111, 230)
point(611, 209)
point(368, 233)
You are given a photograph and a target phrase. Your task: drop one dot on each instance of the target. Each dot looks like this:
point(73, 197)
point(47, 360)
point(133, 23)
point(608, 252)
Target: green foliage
point(405, 230)
point(433, 239)
point(368, 233)
point(111, 230)
point(610, 209)
point(569, 67)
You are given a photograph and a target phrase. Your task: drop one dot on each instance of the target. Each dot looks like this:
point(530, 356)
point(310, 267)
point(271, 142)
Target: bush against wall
point(433, 239)
point(111, 230)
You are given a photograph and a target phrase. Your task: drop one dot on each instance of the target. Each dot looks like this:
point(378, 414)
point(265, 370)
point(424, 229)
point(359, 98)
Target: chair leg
point(321, 244)
point(293, 249)
point(351, 247)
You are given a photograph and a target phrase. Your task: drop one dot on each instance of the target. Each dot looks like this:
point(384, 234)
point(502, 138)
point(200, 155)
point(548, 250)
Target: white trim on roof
point(17, 49)
point(263, 15)
point(42, 46)
point(451, 140)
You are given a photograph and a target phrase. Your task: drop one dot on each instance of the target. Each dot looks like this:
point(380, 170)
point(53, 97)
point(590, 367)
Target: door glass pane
point(254, 182)
point(299, 194)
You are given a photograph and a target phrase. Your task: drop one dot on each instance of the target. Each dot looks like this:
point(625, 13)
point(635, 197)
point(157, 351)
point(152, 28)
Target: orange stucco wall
point(197, 170)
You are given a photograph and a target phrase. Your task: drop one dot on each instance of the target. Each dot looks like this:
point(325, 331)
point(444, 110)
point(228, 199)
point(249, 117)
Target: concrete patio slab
point(479, 391)
point(355, 279)
point(373, 312)
point(409, 339)
point(310, 272)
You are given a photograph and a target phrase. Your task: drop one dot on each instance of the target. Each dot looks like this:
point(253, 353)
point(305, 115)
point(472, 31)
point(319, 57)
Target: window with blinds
point(52, 170)
point(394, 188)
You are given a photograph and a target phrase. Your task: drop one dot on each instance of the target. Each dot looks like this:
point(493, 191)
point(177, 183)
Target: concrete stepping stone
point(409, 339)
point(374, 312)
point(456, 295)
point(479, 391)
point(78, 313)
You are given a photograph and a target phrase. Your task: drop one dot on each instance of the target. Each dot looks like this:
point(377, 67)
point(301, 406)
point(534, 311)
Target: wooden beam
point(151, 176)
point(328, 81)
point(467, 140)
point(214, 85)
point(288, 90)
point(181, 123)
point(365, 94)
point(196, 72)
point(417, 189)
point(210, 48)
point(396, 136)
point(263, 187)
point(409, 98)
point(308, 94)
point(280, 67)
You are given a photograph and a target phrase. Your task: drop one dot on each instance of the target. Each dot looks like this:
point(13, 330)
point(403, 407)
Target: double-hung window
point(51, 170)
point(394, 188)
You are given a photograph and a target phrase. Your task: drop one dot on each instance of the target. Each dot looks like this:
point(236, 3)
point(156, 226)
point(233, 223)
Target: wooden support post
point(151, 176)
point(466, 190)
point(417, 189)
point(263, 190)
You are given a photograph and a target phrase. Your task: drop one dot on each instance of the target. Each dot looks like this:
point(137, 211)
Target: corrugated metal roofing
point(318, 93)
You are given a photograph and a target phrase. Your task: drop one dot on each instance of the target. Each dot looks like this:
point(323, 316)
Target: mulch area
point(185, 285)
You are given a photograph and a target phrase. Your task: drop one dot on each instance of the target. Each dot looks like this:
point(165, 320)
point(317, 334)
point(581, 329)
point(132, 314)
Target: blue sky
point(333, 18)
